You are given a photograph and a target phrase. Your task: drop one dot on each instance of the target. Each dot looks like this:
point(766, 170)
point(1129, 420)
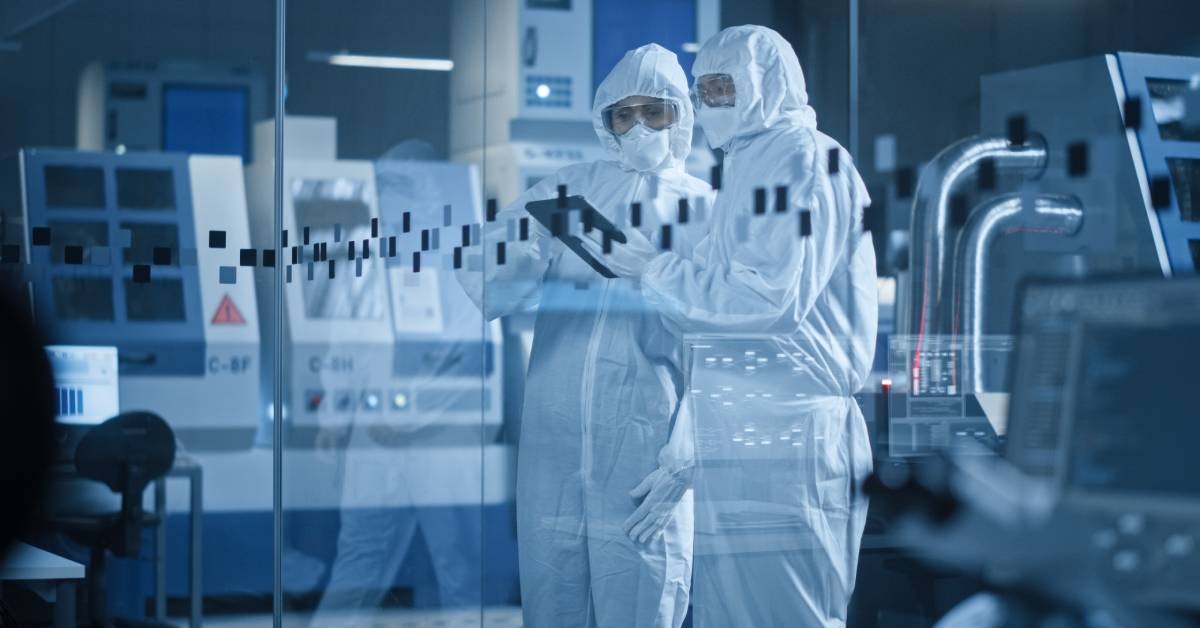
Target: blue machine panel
point(1170, 143)
point(107, 214)
point(207, 119)
point(621, 25)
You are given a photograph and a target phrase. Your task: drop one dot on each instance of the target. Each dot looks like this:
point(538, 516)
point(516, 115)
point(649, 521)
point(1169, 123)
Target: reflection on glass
point(1185, 174)
point(1176, 106)
point(157, 300)
point(335, 212)
point(83, 298)
point(74, 187)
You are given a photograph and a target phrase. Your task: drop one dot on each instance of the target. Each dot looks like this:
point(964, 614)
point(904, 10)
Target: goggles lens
point(656, 115)
point(714, 90)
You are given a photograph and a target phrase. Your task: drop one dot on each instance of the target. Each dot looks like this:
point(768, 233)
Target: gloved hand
point(661, 490)
point(627, 260)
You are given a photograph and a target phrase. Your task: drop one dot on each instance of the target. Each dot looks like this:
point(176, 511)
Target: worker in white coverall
point(604, 382)
point(803, 275)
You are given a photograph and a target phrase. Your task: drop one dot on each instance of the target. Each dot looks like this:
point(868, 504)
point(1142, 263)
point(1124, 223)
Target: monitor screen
point(207, 119)
point(85, 379)
point(1136, 421)
point(1102, 398)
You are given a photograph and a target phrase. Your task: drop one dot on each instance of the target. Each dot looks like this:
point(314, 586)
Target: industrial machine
point(446, 358)
point(532, 114)
point(120, 250)
point(1093, 510)
point(384, 355)
point(337, 326)
point(171, 106)
point(1103, 408)
point(1082, 168)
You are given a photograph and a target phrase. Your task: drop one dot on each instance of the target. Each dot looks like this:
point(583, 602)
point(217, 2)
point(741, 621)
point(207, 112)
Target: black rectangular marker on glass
point(41, 236)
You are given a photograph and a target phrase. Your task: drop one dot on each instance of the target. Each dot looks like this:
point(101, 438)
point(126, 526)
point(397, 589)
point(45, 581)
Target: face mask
point(644, 149)
point(719, 124)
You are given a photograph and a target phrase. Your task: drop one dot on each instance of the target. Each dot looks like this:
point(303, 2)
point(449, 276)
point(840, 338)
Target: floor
point(501, 617)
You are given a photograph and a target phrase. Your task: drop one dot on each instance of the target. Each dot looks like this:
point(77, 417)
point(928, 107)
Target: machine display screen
point(336, 212)
point(142, 188)
point(207, 119)
point(74, 187)
point(1136, 421)
point(154, 301)
point(89, 235)
point(85, 383)
point(144, 238)
point(83, 298)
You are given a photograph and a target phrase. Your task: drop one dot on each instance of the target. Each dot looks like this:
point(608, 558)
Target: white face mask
point(719, 124)
point(644, 149)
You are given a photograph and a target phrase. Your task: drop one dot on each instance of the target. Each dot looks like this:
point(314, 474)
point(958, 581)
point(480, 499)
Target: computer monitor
point(1104, 386)
point(85, 379)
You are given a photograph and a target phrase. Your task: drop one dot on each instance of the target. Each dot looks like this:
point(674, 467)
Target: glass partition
point(397, 504)
point(126, 217)
point(568, 313)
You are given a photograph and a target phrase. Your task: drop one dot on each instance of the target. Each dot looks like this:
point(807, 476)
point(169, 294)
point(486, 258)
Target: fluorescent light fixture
point(691, 47)
point(382, 62)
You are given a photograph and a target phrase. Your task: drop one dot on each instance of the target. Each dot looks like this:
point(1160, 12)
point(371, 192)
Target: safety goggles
point(714, 90)
point(658, 115)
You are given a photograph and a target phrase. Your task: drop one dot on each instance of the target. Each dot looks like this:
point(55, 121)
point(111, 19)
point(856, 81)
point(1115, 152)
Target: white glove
point(627, 260)
point(661, 490)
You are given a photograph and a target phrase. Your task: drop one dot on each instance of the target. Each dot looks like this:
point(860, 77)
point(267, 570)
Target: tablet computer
point(554, 214)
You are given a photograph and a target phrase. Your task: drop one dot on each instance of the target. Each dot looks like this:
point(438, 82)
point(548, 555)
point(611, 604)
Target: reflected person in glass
point(604, 383)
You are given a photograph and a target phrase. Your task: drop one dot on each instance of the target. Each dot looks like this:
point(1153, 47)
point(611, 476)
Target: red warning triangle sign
point(227, 313)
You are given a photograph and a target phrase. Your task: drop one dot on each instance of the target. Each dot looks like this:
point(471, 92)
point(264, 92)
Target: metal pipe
point(931, 217)
point(1003, 215)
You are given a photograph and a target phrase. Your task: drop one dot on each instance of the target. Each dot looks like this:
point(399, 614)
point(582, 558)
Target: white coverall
point(777, 534)
point(604, 382)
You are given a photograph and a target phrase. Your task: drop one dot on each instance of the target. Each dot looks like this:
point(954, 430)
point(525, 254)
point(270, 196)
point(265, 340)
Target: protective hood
point(766, 74)
point(654, 71)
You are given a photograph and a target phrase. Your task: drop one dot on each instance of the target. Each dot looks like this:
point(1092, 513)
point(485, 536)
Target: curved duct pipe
point(928, 302)
point(1003, 215)
point(931, 216)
